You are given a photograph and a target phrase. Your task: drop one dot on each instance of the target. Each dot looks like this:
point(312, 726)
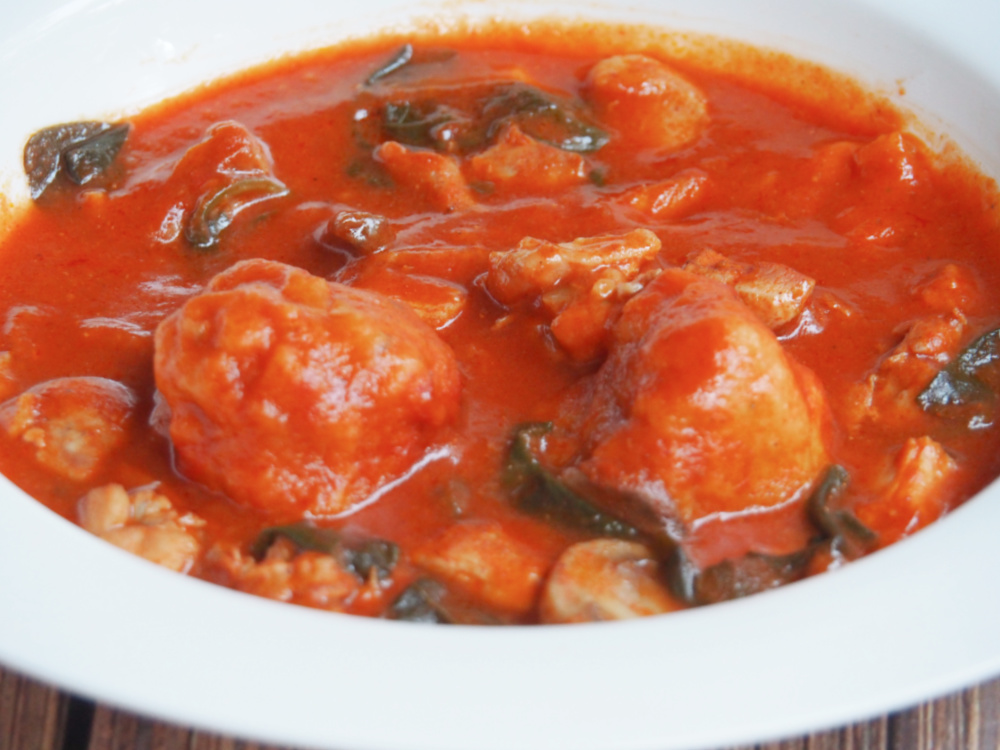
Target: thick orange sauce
point(90, 273)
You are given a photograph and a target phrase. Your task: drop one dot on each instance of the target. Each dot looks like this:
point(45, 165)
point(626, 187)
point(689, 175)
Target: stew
point(494, 330)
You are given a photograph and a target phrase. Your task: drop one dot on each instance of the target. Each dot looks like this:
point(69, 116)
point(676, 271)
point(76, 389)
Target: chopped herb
point(540, 492)
point(967, 387)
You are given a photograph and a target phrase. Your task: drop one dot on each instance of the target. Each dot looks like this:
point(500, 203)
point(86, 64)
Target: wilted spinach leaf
point(428, 601)
point(214, 211)
point(967, 387)
point(847, 535)
point(361, 559)
point(540, 492)
point(542, 116)
point(80, 150)
point(750, 574)
point(399, 60)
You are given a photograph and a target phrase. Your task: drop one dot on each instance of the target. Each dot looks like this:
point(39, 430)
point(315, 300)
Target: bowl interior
point(907, 623)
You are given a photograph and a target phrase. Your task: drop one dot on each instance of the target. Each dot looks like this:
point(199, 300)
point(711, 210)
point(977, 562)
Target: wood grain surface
point(34, 716)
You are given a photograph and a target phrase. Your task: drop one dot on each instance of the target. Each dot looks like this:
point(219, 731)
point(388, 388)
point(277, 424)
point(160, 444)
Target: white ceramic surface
point(906, 624)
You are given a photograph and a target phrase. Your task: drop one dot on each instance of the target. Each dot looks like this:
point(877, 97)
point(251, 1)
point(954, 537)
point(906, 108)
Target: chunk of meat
point(951, 287)
point(580, 283)
point(605, 579)
point(479, 559)
point(673, 198)
point(435, 176)
point(647, 102)
point(923, 475)
point(143, 522)
point(889, 172)
point(74, 424)
point(361, 232)
point(312, 579)
point(888, 396)
point(291, 393)
point(774, 291)
point(527, 165)
point(699, 411)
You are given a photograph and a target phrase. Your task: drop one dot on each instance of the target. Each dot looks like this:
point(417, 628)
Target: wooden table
point(34, 716)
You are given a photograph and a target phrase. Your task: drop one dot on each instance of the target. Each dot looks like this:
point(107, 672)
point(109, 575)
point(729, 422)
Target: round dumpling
point(698, 410)
point(298, 395)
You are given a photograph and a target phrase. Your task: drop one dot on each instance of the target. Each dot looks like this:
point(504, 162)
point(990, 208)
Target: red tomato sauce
point(802, 275)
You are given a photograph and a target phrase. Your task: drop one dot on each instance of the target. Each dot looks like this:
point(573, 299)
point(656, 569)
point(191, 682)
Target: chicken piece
point(312, 579)
point(647, 102)
point(888, 396)
point(294, 394)
point(480, 560)
point(142, 522)
point(435, 301)
point(580, 283)
point(774, 291)
point(674, 198)
point(699, 411)
point(74, 424)
point(889, 172)
point(435, 176)
point(951, 287)
point(360, 232)
point(922, 478)
point(605, 579)
point(517, 160)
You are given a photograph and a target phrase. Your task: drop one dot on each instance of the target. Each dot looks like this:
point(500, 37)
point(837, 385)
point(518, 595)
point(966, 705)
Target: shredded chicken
point(143, 522)
point(605, 579)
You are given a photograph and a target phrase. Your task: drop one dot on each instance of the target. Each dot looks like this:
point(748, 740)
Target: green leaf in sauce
point(415, 123)
point(539, 492)
point(399, 60)
point(750, 574)
point(847, 535)
point(80, 150)
point(362, 559)
point(967, 387)
point(544, 117)
point(429, 601)
point(839, 529)
point(214, 211)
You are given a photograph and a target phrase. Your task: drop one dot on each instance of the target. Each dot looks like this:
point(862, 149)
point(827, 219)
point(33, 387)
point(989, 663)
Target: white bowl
point(906, 624)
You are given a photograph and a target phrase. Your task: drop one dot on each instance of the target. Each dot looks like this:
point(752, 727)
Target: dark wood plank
point(32, 715)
